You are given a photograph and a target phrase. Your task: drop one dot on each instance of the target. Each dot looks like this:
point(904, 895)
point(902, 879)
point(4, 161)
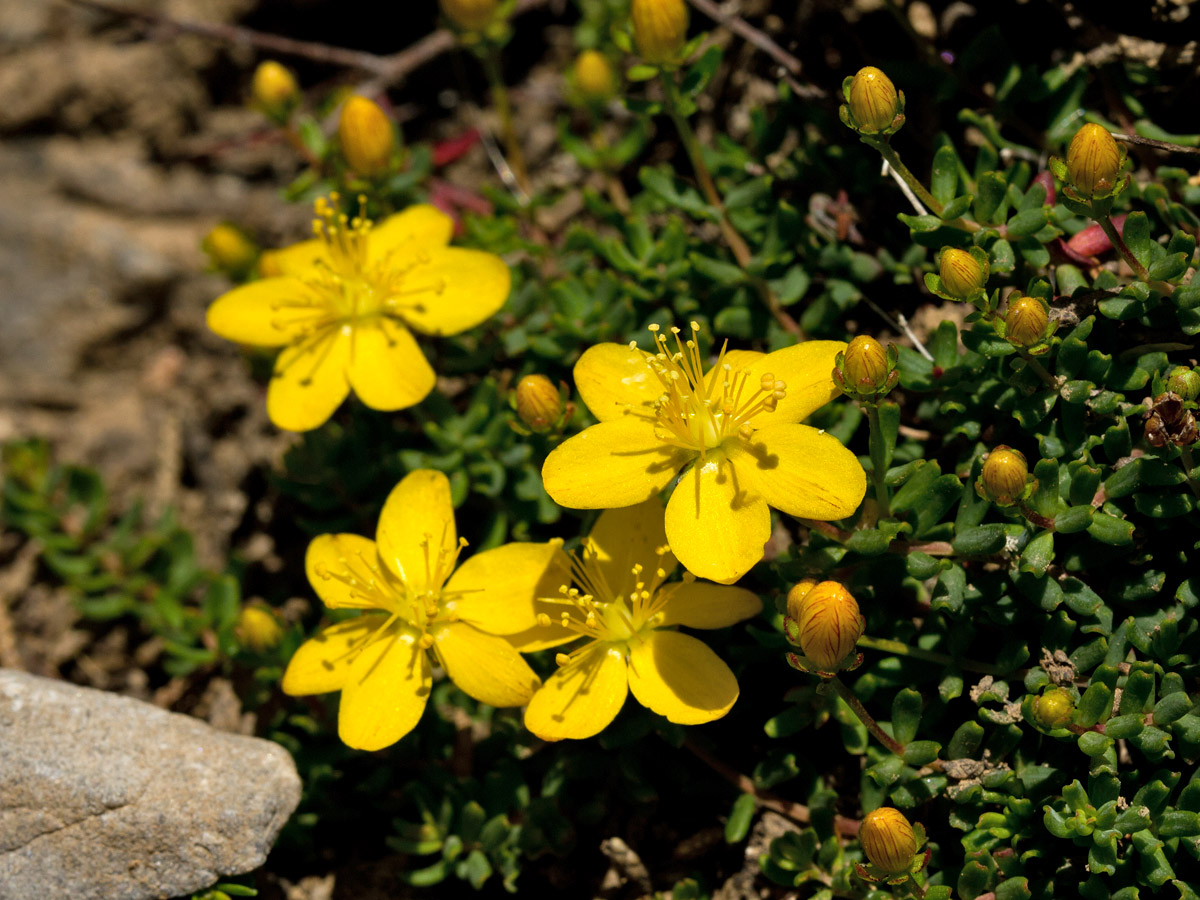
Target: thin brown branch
point(1150, 142)
point(797, 812)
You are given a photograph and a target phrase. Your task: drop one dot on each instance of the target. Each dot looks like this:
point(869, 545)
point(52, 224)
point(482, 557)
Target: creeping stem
point(1115, 238)
point(901, 649)
point(741, 250)
point(865, 717)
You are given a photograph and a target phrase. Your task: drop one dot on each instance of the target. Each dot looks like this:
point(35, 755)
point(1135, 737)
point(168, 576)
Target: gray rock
point(106, 797)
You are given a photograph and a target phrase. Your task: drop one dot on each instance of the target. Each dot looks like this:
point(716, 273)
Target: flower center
point(347, 284)
point(592, 608)
point(699, 410)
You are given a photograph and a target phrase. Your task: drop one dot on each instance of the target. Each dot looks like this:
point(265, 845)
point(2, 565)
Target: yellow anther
point(561, 659)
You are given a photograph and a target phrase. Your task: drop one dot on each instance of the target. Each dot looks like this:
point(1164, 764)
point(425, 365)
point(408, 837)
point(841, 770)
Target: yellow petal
point(341, 568)
point(542, 637)
point(386, 691)
point(310, 380)
point(679, 677)
point(803, 472)
point(299, 260)
point(736, 360)
point(624, 538)
point(417, 227)
point(323, 662)
point(497, 590)
point(806, 369)
point(581, 698)
point(416, 534)
point(455, 290)
point(716, 527)
point(388, 371)
point(698, 604)
point(611, 464)
point(253, 313)
point(486, 667)
point(615, 381)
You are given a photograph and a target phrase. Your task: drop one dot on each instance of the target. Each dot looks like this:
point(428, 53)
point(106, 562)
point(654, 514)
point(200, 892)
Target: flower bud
point(539, 403)
point(1093, 161)
point(1003, 477)
point(366, 135)
point(659, 28)
point(229, 249)
point(258, 629)
point(1054, 709)
point(796, 595)
point(866, 364)
point(1185, 382)
point(594, 77)
point(275, 89)
point(1025, 322)
point(888, 840)
point(962, 275)
point(830, 624)
point(872, 99)
point(470, 15)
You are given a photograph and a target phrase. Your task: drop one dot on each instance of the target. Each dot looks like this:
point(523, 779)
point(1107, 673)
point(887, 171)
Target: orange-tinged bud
point(1054, 709)
point(795, 597)
point(1185, 382)
point(1093, 161)
point(274, 87)
point(257, 629)
point(539, 403)
point(962, 275)
point(366, 135)
point(1025, 322)
point(866, 364)
point(594, 77)
point(659, 28)
point(888, 840)
point(229, 249)
point(830, 624)
point(470, 15)
point(1003, 477)
point(873, 101)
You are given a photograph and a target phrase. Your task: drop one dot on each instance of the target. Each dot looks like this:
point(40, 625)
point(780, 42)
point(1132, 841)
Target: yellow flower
point(830, 624)
point(471, 15)
point(873, 99)
point(274, 88)
point(659, 28)
point(366, 135)
point(414, 604)
point(1093, 160)
point(888, 839)
point(962, 275)
point(1003, 477)
point(734, 431)
point(342, 306)
point(626, 613)
point(539, 403)
point(1026, 321)
point(594, 77)
point(258, 629)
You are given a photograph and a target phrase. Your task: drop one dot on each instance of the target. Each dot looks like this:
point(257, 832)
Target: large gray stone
point(106, 797)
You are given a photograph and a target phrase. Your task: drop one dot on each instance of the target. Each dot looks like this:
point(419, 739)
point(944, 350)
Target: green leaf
point(1137, 237)
point(1026, 223)
point(982, 540)
point(906, 715)
point(737, 826)
point(921, 753)
point(944, 179)
point(1073, 519)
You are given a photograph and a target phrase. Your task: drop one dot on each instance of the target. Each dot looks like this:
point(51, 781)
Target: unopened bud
point(830, 624)
point(275, 89)
point(1093, 161)
point(366, 135)
point(1185, 382)
point(1003, 477)
point(1054, 709)
point(872, 99)
point(1025, 322)
point(866, 364)
point(470, 15)
point(258, 629)
point(539, 403)
point(796, 595)
point(659, 29)
point(888, 839)
point(595, 79)
point(229, 249)
point(962, 275)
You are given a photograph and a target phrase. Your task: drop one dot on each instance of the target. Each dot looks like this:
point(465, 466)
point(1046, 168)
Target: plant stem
point(902, 649)
point(878, 449)
point(1038, 369)
point(1185, 456)
point(865, 717)
point(508, 130)
point(737, 244)
point(1035, 517)
point(892, 158)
